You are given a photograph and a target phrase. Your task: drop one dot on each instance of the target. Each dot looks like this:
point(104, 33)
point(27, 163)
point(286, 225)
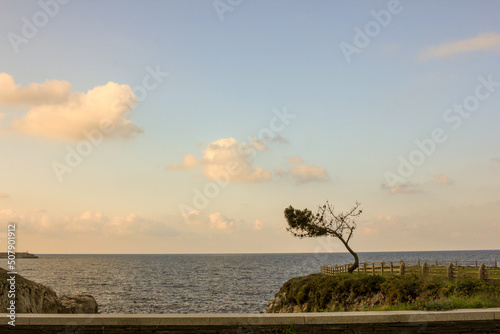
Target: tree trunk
point(356, 259)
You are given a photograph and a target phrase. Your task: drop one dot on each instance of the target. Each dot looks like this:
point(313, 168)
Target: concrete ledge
point(459, 321)
point(265, 319)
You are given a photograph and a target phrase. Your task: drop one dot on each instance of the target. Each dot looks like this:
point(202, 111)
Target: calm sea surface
point(219, 283)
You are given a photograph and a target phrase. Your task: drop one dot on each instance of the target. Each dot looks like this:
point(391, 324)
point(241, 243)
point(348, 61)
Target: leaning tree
point(303, 223)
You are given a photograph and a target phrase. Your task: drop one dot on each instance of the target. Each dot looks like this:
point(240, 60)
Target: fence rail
point(451, 271)
point(370, 268)
point(456, 263)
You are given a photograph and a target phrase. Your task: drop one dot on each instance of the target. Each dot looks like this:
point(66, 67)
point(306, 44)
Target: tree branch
point(303, 223)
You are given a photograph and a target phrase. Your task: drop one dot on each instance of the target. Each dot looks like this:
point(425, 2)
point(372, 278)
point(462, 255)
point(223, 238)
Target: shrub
point(341, 292)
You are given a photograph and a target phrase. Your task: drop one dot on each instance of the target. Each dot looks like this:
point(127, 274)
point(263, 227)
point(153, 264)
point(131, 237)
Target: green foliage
point(479, 300)
point(470, 287)
point(302, 224)
point(290, 330)
point(401, 289)
point(323, 292)
point(325, 222)
point(410, 292)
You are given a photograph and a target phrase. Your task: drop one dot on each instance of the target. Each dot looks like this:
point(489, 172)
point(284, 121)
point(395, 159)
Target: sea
point(199, 283)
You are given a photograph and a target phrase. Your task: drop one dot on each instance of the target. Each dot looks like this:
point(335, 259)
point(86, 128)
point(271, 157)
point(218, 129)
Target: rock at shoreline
point(32, 297)
point(79, 304)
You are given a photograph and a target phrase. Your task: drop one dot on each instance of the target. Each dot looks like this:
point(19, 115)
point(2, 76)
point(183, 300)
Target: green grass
point(410, 292)
point(480, 300)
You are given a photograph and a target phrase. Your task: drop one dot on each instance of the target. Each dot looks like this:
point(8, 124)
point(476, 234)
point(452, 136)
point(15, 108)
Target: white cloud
point(482, 42)
point(403, 189)
point(214, 221)
point(443, 179)
point(49, 92)
point(294, 160)
point(258, 225)
point(34, 222)
point(402, 225)
point(299, 171)
point(128, 225)
point(304, 173)
point(194, 217)
point(227, 158)
point(96, 223)
point(219, 222)
point(52, 110)
point(190, 161)
point(276, 139)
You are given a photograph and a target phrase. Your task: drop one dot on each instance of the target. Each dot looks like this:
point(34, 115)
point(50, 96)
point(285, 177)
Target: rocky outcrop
point(32, 297)
point(280, 304)
point(79, 304)
point(317, 293)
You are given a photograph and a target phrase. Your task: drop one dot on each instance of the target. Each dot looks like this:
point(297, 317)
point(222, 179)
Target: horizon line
point(270, 253)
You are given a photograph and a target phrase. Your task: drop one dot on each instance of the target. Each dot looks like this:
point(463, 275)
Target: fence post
point(481, 273)
point(476, 263)
point(418, 262)
point(392, 269)
point(456, 263)
point(364, 266)
point(373, 268)
point(401, 268)
point(425, 269)
point(450, 271)
point(382, 267)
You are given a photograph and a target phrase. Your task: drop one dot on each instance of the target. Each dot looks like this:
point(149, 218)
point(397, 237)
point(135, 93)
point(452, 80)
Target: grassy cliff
point(358, 292)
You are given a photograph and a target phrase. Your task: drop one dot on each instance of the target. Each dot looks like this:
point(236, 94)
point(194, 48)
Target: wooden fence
point(451, 271)
point(456, 263)
point(369, 268)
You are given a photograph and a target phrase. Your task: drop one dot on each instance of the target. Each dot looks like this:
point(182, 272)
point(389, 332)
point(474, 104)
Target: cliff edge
point(32, 297)
point(358, 292)
point(317, 293)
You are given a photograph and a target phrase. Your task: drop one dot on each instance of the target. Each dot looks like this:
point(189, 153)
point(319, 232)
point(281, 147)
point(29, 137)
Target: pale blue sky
point(352, 122)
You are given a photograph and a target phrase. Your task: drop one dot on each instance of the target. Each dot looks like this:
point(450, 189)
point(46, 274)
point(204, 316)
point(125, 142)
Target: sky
point(189, 126)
